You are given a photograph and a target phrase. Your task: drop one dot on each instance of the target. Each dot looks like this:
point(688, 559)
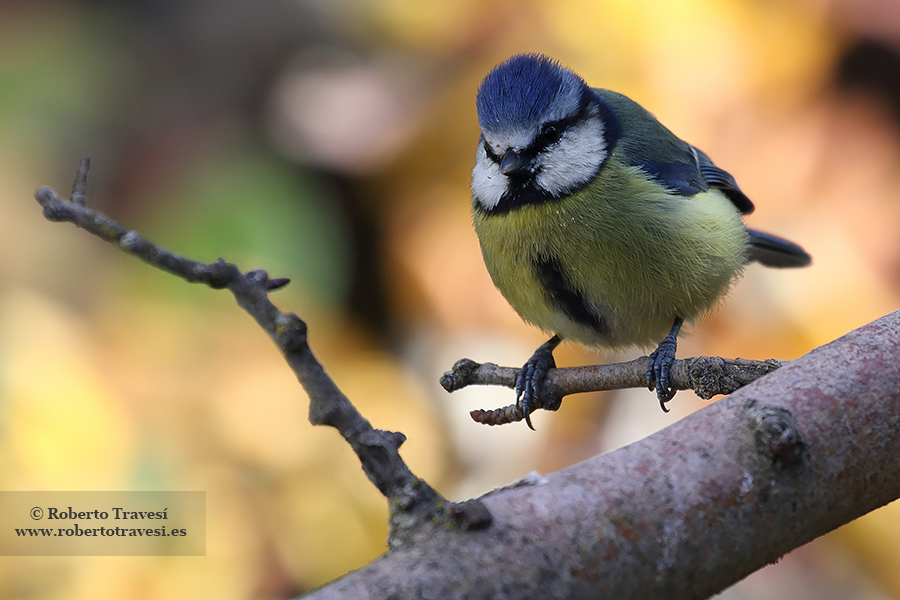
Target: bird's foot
point(530, 380)
point(660, 365)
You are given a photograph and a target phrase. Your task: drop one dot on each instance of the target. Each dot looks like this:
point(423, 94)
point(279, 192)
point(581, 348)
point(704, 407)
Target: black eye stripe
point(551, 132)
point(490, 153)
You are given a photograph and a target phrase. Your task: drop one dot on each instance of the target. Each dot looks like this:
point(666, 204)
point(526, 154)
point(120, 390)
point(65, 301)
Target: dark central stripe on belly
point(567, 298)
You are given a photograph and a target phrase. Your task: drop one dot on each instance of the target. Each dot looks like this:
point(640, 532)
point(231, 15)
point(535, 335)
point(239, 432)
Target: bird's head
point(543, 134)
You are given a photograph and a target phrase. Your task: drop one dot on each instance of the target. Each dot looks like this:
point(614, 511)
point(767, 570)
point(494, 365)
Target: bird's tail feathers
point(773, 251)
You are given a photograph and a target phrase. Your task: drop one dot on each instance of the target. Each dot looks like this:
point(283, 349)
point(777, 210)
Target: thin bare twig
point(708, 376)
point(414, 505)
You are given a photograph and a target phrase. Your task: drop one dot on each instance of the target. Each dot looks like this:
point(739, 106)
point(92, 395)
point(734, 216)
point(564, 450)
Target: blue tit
point(598, 224)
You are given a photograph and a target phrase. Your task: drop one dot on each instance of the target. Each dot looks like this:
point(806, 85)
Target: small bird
point(598, 224)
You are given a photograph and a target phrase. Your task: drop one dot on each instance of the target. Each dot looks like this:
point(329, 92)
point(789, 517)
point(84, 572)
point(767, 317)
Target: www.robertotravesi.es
point(116, 513)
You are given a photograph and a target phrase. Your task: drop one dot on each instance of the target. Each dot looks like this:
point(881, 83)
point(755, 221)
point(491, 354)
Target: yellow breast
point(615, 263)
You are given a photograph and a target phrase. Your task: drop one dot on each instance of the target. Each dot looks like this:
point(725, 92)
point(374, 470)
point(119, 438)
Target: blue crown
point(520, 89)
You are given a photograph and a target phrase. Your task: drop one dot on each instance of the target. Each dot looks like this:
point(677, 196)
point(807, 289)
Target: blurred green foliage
point(253, 209)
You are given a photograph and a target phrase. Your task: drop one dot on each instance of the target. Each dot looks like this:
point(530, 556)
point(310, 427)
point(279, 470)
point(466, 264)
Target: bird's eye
point(549, 134)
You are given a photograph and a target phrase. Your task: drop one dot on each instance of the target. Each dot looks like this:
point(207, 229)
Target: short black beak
point(514, 163)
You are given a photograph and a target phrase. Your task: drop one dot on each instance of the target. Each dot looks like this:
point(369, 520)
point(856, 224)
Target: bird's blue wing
point(642, 141)
point(723, 180)
point(683, 178)
point(693, 173)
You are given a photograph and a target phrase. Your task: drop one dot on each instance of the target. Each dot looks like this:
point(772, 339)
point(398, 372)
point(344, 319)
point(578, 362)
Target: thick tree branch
point(690, 510)
point(415, 507)
point(708, 376)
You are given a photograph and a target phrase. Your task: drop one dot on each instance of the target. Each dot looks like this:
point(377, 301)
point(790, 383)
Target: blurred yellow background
point(331, 143)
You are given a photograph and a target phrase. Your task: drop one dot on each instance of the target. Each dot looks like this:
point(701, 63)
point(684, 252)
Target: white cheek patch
point(488, 183)
point(561, 169)
point(573, 161)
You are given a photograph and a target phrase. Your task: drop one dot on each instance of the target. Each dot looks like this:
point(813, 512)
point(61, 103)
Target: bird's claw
point(660, 366)
point(658, 373)
point(531, 377)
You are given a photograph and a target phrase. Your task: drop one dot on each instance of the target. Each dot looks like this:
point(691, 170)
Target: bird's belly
point(614, 278)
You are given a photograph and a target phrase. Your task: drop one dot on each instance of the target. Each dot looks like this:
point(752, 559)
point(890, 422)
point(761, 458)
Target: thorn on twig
point(261, 277)
point(79, 187)
point(277, 283)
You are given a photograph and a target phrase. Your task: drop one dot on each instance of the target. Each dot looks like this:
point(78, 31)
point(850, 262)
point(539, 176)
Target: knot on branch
point(415, 517)
point(219, 274)
point(710, 376)
point(776, 434)
point(470, 515)
point(377, 451)
point(459, 374)
point(54, 208)
point(291, 333)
